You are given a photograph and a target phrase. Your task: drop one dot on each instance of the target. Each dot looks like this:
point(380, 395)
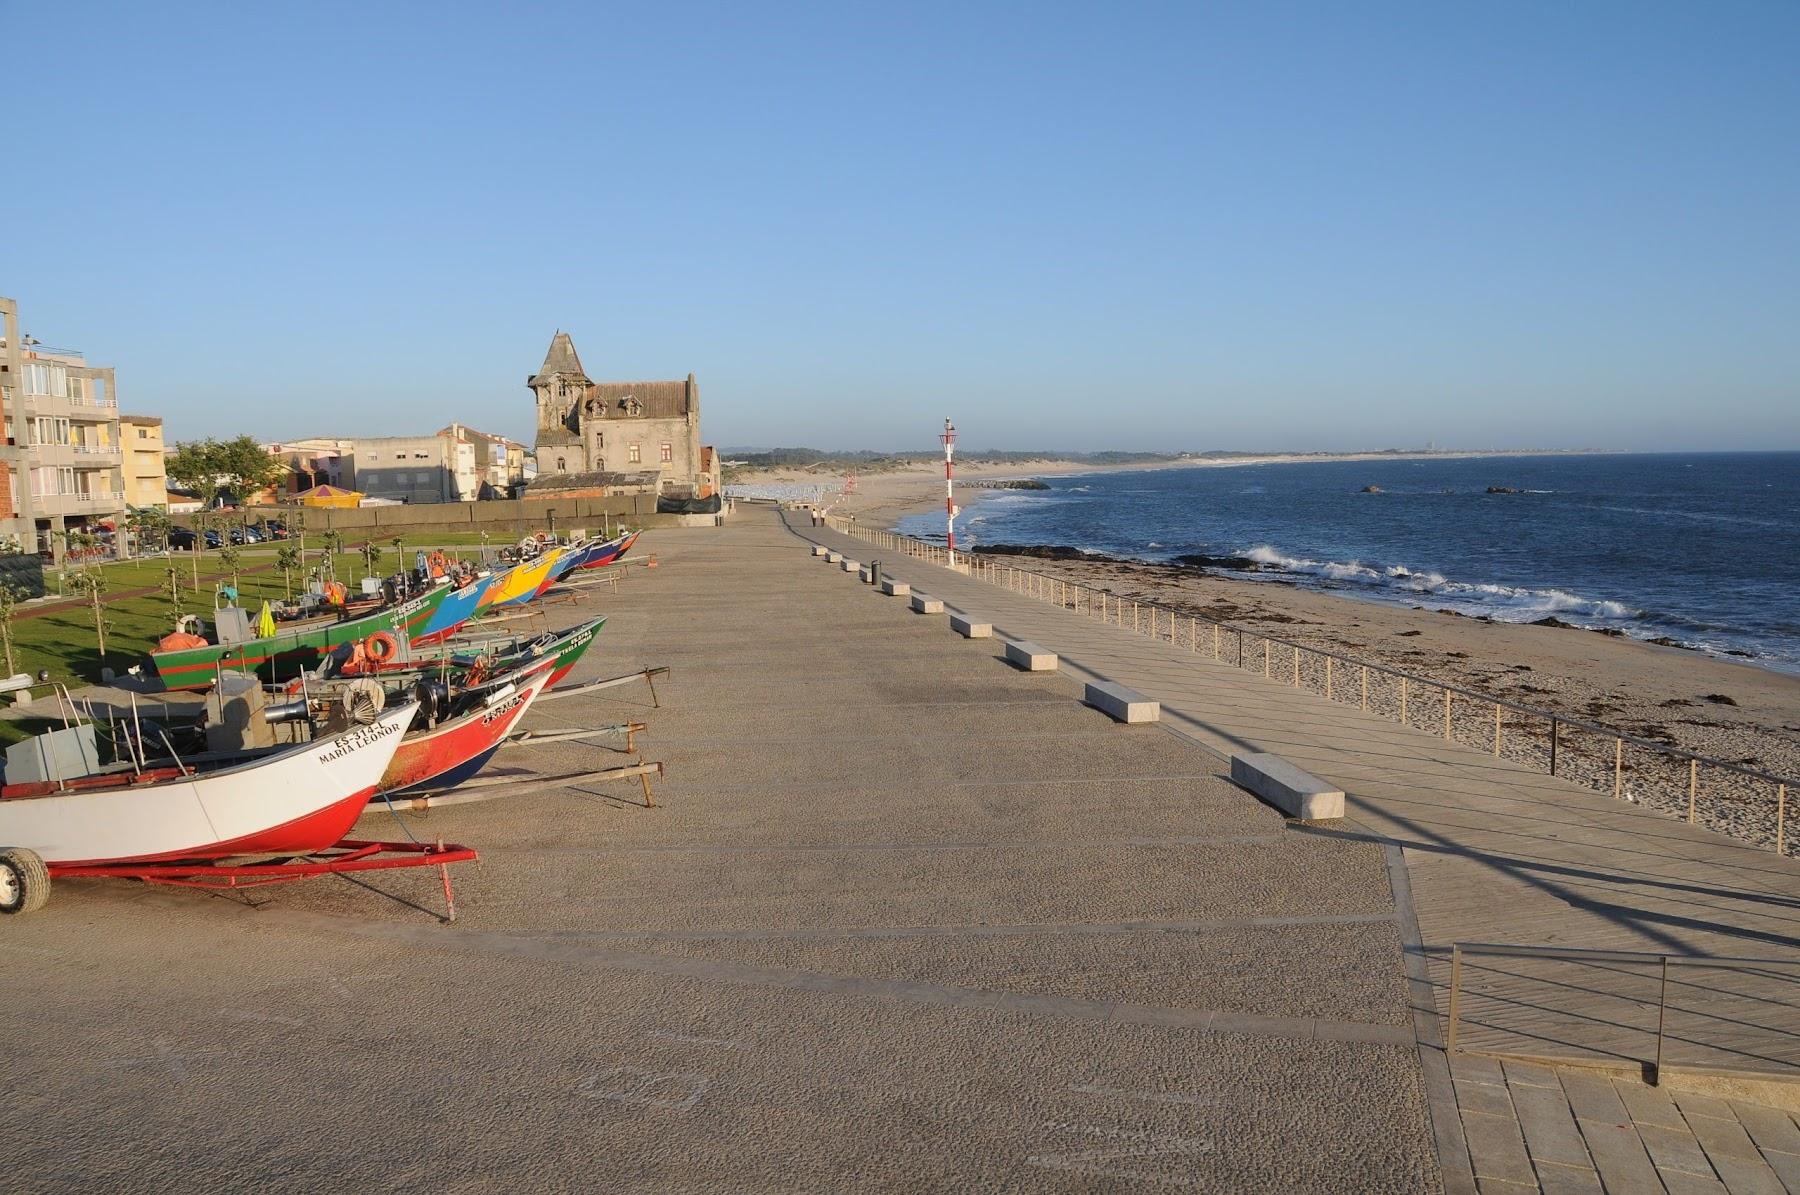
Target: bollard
point(875, 573)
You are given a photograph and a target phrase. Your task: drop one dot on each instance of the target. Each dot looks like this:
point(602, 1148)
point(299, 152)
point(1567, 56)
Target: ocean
point(1700, 548)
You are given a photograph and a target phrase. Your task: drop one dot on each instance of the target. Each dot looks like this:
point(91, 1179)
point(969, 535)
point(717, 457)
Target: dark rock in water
point(1242, 564)
point(1748, 655)
point(1501, 489)
point(1666, 641)
point(1553, 621)
point(1718, 699)
point(1370, 489)
point(1048, 552)
point(1614, 632)
point(1022, 483)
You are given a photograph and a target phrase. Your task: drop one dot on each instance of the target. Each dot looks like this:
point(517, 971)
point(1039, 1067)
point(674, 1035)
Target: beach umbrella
point(265, 622)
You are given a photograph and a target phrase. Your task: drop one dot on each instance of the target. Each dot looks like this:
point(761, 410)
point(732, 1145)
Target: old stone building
point(618, 428)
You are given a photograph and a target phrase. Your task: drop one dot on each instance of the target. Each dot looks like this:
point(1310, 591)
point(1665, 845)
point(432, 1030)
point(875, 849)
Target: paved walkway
point(903, 919)
point(1494, 852)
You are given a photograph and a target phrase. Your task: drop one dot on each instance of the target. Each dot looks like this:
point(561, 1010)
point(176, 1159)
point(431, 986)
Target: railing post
point(1553, 746)
point(1455, 997)
point(1193, 636)
point(1215, 642)
point(1404, 720)
point(1365, 687)
point(1328, 663)
point(1662, 1018)
point(1446, 715)
point(1693, 787)
point(1296, 668)
point(1265, 657)
point(1618, 768)
point(1781, 819)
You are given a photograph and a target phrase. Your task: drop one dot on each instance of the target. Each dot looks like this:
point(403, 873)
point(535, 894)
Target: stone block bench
point(968, 628)
point(850, 565)
point(832, 558)
point(1294, 792)
point(1122, 704)
point(926, 604)
point(818, 549)
point(1029, 656)
point(896, 588)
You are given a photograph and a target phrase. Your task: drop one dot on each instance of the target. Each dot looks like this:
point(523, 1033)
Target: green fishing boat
point(288, 653)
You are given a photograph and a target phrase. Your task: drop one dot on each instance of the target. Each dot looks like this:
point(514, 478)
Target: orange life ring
point(382, 646)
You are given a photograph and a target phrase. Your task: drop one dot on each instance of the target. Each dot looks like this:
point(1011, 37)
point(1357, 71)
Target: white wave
point(1511, 602)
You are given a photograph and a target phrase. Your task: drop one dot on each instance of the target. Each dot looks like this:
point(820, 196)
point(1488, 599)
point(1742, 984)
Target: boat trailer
point(352, 854)
point(486, 788)
point(647, 675)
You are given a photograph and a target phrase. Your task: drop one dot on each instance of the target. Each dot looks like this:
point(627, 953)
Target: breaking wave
point(1512, 603)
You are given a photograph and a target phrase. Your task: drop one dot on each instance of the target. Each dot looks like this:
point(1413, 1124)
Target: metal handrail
point(1577, 954)
point(1556, 720)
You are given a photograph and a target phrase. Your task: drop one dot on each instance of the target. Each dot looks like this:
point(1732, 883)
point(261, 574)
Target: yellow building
point(141, 441)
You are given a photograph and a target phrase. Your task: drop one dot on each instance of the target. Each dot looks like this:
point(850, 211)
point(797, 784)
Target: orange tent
point(332, 496)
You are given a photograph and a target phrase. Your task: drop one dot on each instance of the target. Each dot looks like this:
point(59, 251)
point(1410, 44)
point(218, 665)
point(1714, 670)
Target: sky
point(1108, 226)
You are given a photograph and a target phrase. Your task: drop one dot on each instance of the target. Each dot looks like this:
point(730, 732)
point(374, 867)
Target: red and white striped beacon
point(950, 507)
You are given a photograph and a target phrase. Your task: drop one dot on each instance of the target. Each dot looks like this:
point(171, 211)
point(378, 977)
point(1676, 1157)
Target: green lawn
point(64, 641)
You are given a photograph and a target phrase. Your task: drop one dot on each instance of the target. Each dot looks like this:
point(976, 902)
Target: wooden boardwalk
point(1492, 852)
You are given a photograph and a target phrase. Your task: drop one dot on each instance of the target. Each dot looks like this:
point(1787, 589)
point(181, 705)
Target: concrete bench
point(864, 573)
point(968, 628)
point(850, 565)
point(1029, 656)
point(925, 604)
point(896, 588)
point(818, 549)
point(1122, 704)
point(1294, 792)
point(832, 558)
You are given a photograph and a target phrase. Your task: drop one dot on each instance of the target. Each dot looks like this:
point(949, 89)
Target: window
point(143, 433)
point(561, 465)
point(372, 480)
point(421, 456)
point(632, 454)
point(399, 456)
point(668, 453)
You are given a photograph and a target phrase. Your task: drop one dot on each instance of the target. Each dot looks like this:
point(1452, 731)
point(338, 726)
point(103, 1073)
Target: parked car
point(184, 538)
point(246, 535)
point(273, 529)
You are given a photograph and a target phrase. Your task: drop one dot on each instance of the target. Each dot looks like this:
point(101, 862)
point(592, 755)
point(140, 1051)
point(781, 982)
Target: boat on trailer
point(279, 816)
point(287, 652)
point(454, 750)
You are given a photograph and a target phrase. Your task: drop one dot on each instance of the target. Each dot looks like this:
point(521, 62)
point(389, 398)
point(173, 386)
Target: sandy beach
point(1687, 700)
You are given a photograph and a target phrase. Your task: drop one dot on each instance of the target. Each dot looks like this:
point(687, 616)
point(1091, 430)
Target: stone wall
point(503, 519)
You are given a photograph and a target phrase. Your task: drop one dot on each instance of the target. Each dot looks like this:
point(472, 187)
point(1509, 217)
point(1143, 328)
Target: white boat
point(295, 801)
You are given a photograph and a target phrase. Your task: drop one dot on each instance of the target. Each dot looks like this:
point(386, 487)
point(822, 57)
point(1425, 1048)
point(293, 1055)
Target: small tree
point(371, 558)
point(9, 605)
point(334, 543)
point(93, 583)
point(203, 521)
point(296, 525)
point(232, 558)
point(287, 559)
point(399, 553)
point(149, 525)
point(174, 574)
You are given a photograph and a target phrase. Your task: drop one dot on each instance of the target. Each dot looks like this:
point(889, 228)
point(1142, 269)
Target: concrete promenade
point(904, 918)
point(1494, 852)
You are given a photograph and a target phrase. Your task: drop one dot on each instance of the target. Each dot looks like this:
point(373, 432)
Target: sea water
point(1702, 548)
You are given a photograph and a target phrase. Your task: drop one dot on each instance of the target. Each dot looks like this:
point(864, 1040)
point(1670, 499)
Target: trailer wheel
point(24, 880)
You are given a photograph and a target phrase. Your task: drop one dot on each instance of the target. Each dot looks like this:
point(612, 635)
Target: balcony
point(79, 456)
point(90, 410)
point(92, 502)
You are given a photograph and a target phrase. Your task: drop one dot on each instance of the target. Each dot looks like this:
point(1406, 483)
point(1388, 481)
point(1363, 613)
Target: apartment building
point(432, 468)
point(63, 459)
point(144, 460)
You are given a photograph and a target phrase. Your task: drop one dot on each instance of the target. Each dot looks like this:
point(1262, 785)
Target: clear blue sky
point(1108, 226)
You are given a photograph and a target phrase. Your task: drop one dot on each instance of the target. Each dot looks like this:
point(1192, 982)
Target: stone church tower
point(643, 435)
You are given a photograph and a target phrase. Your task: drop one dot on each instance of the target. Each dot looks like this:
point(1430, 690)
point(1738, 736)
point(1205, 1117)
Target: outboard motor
point(434, 702)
